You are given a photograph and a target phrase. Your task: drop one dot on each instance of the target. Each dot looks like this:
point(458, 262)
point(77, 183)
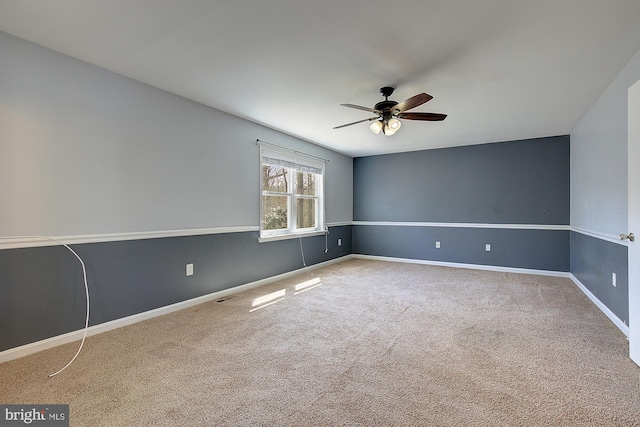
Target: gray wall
point(592, 262)
point(87, 152)
point(599, 209)
point(518, 182)
point(530, 249)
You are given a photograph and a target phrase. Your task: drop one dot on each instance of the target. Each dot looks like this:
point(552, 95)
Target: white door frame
point(633, 184)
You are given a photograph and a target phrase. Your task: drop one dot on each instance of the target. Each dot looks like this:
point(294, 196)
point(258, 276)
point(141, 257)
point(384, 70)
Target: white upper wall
point(86, 151)
point(599, 159)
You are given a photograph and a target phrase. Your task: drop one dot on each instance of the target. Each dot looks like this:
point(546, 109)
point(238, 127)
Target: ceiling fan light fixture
point(395, 124)
point(388, 130)
point(376, 127)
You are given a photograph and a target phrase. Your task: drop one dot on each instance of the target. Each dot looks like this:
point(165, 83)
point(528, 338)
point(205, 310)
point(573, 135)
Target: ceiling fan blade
point(430, 117)
point(355, 123)
point(413, 102)
point(359, 107)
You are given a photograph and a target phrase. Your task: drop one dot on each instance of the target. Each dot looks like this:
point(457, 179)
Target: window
point(292, 201)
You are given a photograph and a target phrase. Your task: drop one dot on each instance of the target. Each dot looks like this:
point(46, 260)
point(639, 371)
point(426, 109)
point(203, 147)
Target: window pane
point(306, 183)
point(274, 209)
point(306, 213)
point(274, 178)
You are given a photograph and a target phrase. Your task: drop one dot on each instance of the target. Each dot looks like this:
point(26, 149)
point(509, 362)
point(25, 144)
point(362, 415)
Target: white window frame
point(294, 162)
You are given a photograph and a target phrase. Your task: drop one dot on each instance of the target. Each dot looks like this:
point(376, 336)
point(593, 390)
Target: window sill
point(289, 236)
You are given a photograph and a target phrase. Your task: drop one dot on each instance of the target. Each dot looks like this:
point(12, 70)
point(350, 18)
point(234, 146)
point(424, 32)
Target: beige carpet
point(359, 343)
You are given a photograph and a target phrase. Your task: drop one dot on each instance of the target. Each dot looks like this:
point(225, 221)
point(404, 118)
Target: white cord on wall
point(86, 289)
point(302, 252)
point(326, 240)
point(326, 246)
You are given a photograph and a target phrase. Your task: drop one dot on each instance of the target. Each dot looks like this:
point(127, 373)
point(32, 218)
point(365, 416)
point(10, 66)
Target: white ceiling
point(501, 69)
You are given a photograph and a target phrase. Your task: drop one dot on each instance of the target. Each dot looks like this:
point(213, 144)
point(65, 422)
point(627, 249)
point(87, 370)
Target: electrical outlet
point(339, 242)
point(487, 247)
point(614, 279)
point(189, 269)
point(437, 245)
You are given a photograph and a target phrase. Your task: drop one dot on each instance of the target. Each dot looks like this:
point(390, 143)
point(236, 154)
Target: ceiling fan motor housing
point(386, 106)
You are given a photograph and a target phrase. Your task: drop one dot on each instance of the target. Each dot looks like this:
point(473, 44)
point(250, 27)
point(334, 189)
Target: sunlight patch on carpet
point(267, 300)
point(307, 285)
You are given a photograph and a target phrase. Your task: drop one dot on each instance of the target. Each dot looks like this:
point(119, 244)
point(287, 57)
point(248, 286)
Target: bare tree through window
point(274, 207)
point(291, 200)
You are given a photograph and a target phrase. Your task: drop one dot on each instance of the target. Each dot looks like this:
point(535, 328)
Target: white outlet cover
point(189, 269)
point(487, 247)
point(437, 245)
point(339, 242)
point(613, 279)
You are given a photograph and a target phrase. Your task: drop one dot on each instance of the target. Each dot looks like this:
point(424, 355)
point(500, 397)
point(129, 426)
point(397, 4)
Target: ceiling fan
point(388, 112)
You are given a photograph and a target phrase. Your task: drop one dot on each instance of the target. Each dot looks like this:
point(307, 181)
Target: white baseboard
point(615, 319)
point(27, 349)
point(470, 266)
point(634, 354)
